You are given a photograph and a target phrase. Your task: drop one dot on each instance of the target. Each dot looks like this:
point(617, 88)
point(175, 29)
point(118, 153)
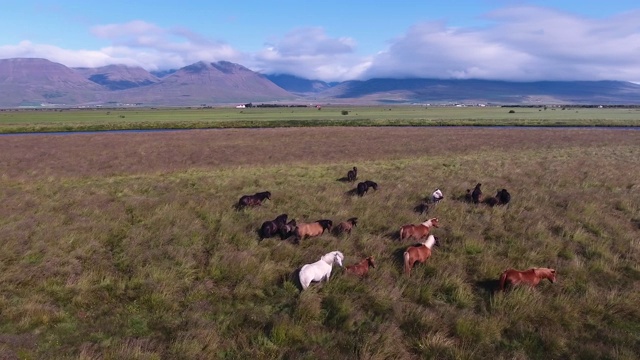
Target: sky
point(338, 40)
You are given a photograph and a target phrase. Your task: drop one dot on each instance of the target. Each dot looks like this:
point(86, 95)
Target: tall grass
point(161, 266)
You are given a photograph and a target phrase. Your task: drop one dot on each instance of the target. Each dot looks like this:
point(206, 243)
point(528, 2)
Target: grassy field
point(127, 246)
point(12, 121)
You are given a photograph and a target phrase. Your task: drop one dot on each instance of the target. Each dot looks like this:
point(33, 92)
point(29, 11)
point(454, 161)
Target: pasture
point(51, 120)
point(128, 245)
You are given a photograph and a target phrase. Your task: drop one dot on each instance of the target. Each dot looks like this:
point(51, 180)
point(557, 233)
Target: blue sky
point(338, 40)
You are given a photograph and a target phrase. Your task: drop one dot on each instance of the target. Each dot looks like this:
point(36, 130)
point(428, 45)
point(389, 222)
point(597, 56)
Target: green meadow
point(51, 120)
point(159, 265)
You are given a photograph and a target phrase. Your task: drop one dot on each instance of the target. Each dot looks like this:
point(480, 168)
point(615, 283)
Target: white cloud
point(523, 43)
point(310, 53)
point(136, 43)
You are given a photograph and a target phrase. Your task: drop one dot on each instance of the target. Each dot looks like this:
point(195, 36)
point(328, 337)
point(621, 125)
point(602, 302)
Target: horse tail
point(407, 267)
point(503, 280)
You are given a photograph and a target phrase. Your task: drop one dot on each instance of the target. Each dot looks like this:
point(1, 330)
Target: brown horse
point(531, 277)
point(346, 226)
point(418, 231)
point(419, 253)
point(253, 200)
point(362, 268)
point(312, 229)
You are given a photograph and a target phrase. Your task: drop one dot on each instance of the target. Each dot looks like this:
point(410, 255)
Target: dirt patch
point(108, 154)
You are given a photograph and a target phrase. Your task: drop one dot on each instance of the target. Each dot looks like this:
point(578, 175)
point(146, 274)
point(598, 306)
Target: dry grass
point(127, 246)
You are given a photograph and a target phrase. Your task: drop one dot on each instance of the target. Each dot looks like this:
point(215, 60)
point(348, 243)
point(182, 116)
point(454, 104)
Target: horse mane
point(430, 222)
point(430, 241)
point(544, 271)
point(330, 257)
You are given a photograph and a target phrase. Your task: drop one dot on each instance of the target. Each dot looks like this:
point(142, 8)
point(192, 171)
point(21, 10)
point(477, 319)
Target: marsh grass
point(160, 265)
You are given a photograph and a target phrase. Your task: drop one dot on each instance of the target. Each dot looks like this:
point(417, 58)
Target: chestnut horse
point(531, 277)
point(312, 229)
point(418, 231)
point(253, 200)
point(362, 268)
point(419, 253)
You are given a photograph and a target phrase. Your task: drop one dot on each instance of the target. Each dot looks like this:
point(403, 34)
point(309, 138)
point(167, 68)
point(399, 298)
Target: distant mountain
point(40, 82)
point(206, 83)
point(486, 91)
point(299, 85)
point(32, 82)
point(118, 77)
point(162, 73)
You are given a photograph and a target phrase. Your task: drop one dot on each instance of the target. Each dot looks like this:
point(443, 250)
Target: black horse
point(364, 186)
point(371, 184)
point(253, 200)
point(272, 227)
point(352, 175)
point(503, 197)
point(476, 195)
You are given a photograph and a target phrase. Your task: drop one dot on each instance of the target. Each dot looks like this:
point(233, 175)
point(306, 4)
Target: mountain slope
point(299, 85)
point(118, 77)
point(435, 90)
point(38, 82)
point(32, 82)
point(206, 83)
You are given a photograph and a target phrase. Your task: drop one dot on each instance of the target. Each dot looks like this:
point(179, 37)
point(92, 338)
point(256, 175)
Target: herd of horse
point(418, 253)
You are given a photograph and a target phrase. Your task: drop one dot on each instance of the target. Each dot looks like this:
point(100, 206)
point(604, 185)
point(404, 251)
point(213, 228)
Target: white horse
point(437, 196)
point(319, 270)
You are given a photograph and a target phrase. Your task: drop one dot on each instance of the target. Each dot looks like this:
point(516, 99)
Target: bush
point(345, 112)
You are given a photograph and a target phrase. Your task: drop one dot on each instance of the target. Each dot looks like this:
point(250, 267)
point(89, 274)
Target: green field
point(101, 259)
point(118, 119)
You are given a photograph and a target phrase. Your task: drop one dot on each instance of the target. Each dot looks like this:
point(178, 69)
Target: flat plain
point(127, 245)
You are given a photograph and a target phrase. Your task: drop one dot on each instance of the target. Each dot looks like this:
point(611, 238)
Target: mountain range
point(33, 82)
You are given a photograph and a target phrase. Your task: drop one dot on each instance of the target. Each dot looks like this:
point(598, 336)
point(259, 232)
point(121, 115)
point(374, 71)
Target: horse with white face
point(437, 196)
point(321, 269)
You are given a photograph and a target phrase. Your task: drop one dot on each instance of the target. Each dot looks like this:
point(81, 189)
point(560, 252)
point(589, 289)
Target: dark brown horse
point(352, 175)
point(531, 277)
point(476, 194)
point(253, 200)
point(362, 268)
point(288, 229)
point(418, 231)
point(346, 226)
point(491, 201)
point(317, 228)
point(419, 253)
point(502, 198)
